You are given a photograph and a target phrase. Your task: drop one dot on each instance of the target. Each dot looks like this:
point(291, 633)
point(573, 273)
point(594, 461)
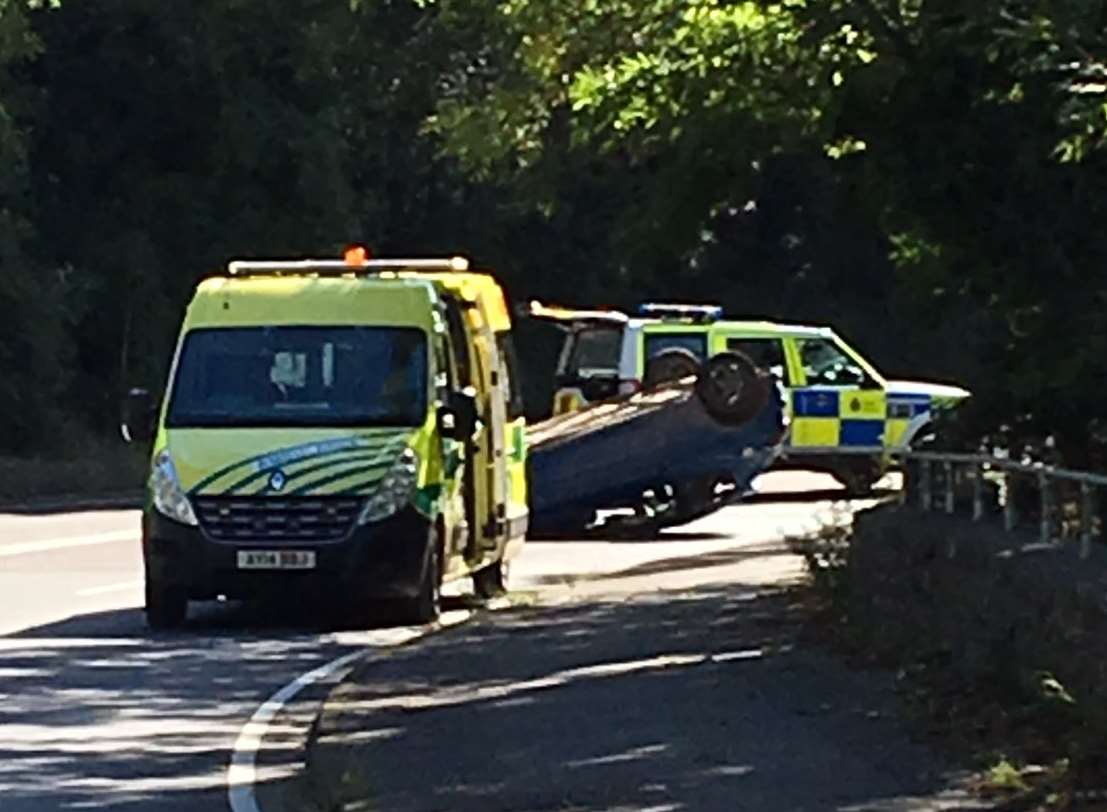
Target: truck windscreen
point(300, 376)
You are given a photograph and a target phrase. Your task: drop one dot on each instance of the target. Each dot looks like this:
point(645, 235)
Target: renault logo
point(277, 480)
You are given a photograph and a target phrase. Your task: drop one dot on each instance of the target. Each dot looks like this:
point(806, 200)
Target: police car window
point(766, 353)
point(595, 352)
point(695, 343)
point(825, 364)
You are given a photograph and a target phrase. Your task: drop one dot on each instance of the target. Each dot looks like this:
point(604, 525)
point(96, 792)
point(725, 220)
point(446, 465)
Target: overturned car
point(665, 456)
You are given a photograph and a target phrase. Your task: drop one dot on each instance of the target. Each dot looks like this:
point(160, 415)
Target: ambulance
point(348, 427)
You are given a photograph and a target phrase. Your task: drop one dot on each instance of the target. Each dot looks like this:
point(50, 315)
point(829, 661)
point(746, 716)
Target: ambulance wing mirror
point(138, 416)
point(458, 418)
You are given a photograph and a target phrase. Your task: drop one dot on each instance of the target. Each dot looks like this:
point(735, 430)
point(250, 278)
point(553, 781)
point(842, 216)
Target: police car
point(845, 417)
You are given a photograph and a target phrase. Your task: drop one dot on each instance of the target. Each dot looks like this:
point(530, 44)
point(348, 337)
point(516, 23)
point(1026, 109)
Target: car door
point(836, 403)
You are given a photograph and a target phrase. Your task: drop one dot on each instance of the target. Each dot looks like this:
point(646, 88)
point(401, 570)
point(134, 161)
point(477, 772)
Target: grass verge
point(952, 632)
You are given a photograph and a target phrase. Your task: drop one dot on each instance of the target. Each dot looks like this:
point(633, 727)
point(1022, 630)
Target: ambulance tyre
point(731, 388)
point(670, 365)
point(491, 581)
point(166, 606)
point(427, 604)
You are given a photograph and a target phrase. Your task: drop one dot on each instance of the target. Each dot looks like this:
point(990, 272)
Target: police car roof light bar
point(339, 267)
point(697, 313)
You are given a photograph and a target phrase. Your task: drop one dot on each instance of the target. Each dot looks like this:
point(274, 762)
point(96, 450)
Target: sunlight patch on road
point(455, 695)
point(49, 545)
point(126, 586)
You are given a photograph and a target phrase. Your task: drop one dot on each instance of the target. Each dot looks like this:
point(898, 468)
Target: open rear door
point(589, 367)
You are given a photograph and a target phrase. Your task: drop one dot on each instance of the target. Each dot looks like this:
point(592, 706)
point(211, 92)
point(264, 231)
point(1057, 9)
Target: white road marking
point(242, 771)
point(104, 590)
point(46, 545)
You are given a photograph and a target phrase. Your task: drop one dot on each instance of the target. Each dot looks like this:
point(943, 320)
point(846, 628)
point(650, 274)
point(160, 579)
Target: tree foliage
point(924, 174)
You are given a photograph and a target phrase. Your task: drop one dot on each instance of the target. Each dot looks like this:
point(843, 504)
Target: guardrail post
point(1087, 516)
point(949, 487)
point(1047, 507)
point(1009, 517)
point(908, 482)
point(924, 496)
point(978, 493)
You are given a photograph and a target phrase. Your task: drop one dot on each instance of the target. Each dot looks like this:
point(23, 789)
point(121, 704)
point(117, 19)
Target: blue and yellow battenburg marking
point(346, 466)
point(858, 418)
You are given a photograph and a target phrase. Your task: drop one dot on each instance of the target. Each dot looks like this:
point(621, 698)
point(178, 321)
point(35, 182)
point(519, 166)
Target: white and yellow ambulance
point(349, 427)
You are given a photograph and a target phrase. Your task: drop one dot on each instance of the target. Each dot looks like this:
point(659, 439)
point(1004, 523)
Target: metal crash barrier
point(1063, 504)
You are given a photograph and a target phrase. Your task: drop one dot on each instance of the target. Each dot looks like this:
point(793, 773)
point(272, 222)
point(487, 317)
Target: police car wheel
point(670, 365)
point(731, 388)
point(166, 606)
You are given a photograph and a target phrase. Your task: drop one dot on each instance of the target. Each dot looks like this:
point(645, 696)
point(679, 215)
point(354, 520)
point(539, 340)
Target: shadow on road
point(97, 712)
point(695, 701)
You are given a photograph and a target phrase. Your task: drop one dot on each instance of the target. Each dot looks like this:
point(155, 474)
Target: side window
point(510, 369)
point(595, 352)
point(695, 343)
point(444, 373)
point(826, 365)
point(767, 353)
point(459, 340)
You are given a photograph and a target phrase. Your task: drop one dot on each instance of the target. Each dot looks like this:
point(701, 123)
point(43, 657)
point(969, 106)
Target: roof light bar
point(264, 267)
point(681, 311)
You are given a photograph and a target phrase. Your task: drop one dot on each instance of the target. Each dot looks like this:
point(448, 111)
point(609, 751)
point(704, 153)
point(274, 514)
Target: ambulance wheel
point(670, 365)
point(491, 581)
point(427, 605)
point(166, 606)
point(731, 388)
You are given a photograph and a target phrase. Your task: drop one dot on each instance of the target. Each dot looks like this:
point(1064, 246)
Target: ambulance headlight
point(165, 488)
point(394, 491)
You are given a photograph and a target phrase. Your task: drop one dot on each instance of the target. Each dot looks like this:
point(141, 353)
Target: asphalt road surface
point(98, 713)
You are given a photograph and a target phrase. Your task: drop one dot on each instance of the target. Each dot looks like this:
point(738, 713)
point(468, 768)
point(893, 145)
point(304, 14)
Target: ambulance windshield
point(300, 376)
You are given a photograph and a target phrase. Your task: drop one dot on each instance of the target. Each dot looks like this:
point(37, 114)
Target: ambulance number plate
point(276, 560)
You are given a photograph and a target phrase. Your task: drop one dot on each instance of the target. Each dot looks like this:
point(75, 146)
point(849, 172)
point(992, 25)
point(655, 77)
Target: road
point(98, 713)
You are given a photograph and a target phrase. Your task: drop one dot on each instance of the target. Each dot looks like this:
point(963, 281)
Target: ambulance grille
point(277, 521)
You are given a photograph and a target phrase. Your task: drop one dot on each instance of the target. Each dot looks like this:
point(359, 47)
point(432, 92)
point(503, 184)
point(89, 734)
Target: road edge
point(67, 503)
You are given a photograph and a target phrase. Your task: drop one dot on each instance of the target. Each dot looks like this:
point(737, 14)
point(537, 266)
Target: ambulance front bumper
point(382, 560)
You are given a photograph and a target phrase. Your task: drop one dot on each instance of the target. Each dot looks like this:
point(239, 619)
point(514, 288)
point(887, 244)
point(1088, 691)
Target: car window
point(510, 368)
point(824, 363)
point(595, 352)
point(766, 353)
point(695, 343)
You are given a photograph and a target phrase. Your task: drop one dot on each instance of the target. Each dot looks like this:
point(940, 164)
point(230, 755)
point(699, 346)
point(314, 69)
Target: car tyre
point(166, 606)
point(670, 365)
point(491, 581)
point(731, 388)
point(426, 606)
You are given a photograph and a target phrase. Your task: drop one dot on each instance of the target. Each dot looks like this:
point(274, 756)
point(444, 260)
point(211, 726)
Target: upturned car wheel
point(731, 388)
point(670, 365)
